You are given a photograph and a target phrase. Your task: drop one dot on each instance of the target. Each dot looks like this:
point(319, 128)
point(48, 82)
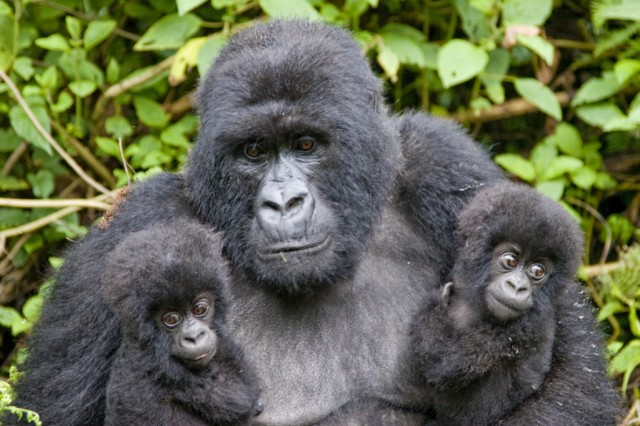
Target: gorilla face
point(294, 159)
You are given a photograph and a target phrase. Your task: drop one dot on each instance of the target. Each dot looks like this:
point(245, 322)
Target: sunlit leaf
point(597, 89)
point(169, 32)
point(185, 6)
point(25, 128)
point(289, 9)
point(538, 45)
point(539, 95)
point(459, 61)
point(517, 165)
point(97, 32)
point(526, 12)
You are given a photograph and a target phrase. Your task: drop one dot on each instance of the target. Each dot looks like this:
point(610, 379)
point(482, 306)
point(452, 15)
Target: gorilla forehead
point(521, 215)
point(170, 263)
point(272, 62)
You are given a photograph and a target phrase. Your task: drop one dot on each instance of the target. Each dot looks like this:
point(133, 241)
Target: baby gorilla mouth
point(308, 248)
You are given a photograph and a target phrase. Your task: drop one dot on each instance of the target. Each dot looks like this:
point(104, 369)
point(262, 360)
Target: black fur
point(477, 367)
point(170, 266)
point(322, 327)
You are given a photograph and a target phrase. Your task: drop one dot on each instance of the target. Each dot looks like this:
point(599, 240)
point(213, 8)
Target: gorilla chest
point(315, 353)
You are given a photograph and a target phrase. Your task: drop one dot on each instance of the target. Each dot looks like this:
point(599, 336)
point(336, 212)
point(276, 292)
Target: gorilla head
point(514, 243)
point(294, 157)
point(158, 276)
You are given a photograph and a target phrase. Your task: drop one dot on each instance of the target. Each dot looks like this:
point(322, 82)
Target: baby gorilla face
point(515, 278)
point(194, 342)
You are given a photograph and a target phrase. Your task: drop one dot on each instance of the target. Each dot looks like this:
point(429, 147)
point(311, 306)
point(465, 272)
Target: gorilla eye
point(171, 319)
point(509, 260)
point(253, 151)
point(200, 309)
point(536, 271)
point(305, 144)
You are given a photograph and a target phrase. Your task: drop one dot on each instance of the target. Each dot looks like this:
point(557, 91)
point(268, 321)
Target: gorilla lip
point(305, 248)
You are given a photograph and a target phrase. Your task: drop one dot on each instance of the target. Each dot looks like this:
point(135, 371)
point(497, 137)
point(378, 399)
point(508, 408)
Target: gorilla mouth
point(308, 248)
point(500, 309)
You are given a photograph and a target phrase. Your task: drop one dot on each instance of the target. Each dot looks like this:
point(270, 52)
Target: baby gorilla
point(486, 338)
point(176, 364)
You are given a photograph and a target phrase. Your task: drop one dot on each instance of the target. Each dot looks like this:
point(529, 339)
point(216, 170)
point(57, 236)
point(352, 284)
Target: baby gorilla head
point(176, 364)
point(517, 247)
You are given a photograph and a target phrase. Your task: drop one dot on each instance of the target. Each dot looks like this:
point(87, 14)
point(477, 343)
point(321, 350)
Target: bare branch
point(92, 203)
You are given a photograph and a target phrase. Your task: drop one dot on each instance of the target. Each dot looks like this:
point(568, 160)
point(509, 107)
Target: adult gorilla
point(338, 218)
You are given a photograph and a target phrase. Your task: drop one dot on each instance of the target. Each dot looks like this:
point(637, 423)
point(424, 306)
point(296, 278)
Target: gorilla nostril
point(295, 202)
point(271, 205)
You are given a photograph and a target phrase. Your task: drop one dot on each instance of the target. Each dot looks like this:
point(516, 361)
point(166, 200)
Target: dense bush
point(90, 86)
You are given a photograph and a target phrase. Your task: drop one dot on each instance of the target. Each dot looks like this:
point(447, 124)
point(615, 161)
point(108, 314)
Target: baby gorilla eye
point(171, 319)
point(200, 309)
point(536, 271)
point(305, 144)
point(253, 151)
point(509, 260)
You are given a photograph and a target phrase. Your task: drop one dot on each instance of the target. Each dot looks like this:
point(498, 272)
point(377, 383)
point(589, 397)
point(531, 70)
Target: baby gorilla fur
point(173, 269)
point(483, 360)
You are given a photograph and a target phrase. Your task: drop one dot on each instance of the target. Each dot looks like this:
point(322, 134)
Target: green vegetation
point(551, 86)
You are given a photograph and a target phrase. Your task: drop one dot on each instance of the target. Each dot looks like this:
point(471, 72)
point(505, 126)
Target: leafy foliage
point(97, 93)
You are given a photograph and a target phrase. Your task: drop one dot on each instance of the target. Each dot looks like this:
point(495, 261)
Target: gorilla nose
point(193, 339)
point(284, 206)
point(519, 289)
point(287, 208)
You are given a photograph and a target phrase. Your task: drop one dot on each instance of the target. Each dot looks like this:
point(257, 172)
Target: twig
point(124, 161)
point(85, 154)
point(601, 219)
point(125, 85)
point(13, 158)
point(93, 203)
point(512, 108)
point(67, 158)
point(37, 224)
point(16, 247)
point(603, 268)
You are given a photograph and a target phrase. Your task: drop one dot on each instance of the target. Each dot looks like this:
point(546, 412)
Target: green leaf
point(597, 89)
point(494, 73)
point(405, 42)
point(610, 308)
point(539, 95)
point(108, 146)
point(474, 23)
point(289, 9)
point(6, 41)
point(82, 88)
point(459, 61)
point(97, 32)
point(169, 32)
point(32, 307)
point(185, 6)
point(74, 26)
point(150, 112)
point(605, 182)
point(50, 79)
point(175, 135)
point(65, 101)
point(584, 177)
point(389, 62)
point(210, 51)
point(517, 165)
point(620, 9)
point(10, 183)
point(42, 183)
point(430, 53)
point(53, 42)
point(552, 188)
point(25, 128)
point(599, 115)
point(568, 139)
point(5, 10)
point(186, 58)
point(118, 126)
point(526, 12)
point(538, 45)
point(8, 316)
point(542, 155)
point(22, 66)
point(561, 165)
point(624, 69)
